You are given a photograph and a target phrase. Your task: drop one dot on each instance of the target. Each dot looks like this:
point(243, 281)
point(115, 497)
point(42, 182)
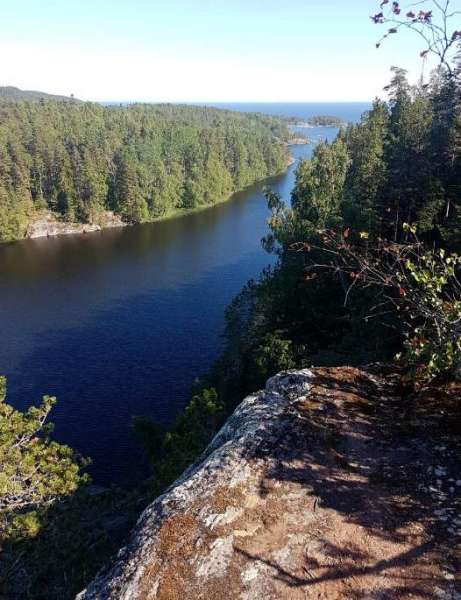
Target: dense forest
point(389, 184)
point(80, 160)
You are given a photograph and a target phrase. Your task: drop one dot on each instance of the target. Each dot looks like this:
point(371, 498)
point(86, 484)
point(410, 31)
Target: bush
point(172, 452)
point(420, 285)
point(432, 294)
point(34, 470)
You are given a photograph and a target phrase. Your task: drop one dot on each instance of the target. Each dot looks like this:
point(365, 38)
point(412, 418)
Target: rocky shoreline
point(47, 225)
point(298, 141)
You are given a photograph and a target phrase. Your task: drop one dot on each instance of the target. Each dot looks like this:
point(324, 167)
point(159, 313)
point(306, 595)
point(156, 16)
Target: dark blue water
point(120, 323)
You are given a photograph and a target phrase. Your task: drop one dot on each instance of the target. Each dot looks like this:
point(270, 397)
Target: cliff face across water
point(327, 484)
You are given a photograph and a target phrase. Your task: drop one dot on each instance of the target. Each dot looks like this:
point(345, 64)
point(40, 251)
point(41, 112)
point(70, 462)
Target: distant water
point(121, 322)
point(347, 111)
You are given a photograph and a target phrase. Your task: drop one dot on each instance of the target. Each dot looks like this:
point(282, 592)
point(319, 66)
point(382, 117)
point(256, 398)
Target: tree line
point(386, 188)
point(80, 160)
point(317, 121)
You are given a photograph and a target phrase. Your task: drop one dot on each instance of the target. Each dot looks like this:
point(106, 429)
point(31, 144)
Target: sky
point(200, 50)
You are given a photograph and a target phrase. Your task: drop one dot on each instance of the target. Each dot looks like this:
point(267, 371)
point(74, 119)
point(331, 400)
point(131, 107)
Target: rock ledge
point(292, 500)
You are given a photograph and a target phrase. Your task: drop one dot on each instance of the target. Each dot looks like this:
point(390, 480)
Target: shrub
point(34, 470)
point(419, 284)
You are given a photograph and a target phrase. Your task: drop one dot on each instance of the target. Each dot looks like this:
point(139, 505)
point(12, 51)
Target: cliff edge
point(327, 484)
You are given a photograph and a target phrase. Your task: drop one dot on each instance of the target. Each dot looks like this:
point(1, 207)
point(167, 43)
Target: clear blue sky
point(198, 50)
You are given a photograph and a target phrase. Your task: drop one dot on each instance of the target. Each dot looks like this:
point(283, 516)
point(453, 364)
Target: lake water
point(119, 323)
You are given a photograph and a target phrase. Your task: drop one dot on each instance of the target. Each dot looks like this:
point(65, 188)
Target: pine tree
point(34, 470)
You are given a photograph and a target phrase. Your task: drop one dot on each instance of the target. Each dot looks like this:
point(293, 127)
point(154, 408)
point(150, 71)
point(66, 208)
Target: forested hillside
point(10, 93)
point(142, 162)
point(373, 218)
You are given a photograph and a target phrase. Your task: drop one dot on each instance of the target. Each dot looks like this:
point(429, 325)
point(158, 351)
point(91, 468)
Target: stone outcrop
point(309, 490)
point(298, 141)
point(48, 225)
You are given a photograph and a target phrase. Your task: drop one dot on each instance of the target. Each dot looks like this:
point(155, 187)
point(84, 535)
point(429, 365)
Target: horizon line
point(238, 101)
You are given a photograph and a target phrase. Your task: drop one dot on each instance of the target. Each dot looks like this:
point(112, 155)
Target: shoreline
point(61, 228)
point(298, 141)
point(46, 225)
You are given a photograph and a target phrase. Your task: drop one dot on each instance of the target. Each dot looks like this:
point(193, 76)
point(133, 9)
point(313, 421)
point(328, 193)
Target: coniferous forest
point(392, 181)
point(142, 162)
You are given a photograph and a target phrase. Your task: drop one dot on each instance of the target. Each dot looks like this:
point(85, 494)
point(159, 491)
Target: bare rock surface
point(298, 141)
point(327, 484)
point(47, 225)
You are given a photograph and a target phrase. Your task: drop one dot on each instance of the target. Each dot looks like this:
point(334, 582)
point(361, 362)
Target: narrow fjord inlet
point(119, 323)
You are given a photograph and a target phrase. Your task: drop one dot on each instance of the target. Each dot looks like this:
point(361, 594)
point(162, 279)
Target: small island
point(298, 139)
point(316, 121)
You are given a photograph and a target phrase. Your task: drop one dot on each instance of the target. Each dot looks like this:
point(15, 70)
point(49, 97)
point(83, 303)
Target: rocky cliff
point(323, 485)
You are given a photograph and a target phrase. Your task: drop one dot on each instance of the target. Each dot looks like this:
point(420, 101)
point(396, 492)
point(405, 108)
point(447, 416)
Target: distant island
point(10, 93)
point(298, 139)
point(316, 121)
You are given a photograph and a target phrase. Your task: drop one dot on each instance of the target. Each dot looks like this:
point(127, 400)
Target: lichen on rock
point(292, 498)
